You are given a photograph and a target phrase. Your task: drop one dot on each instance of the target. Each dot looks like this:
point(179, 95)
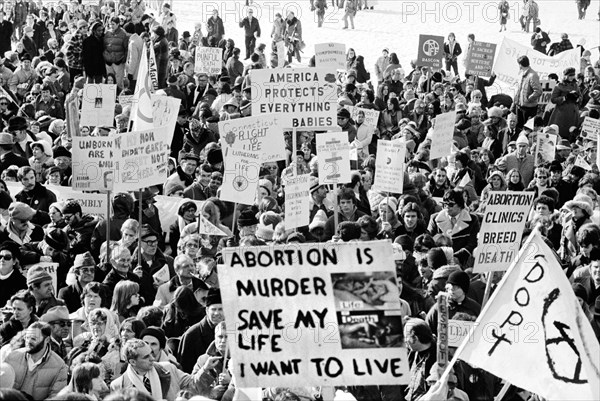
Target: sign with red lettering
point(314, 315)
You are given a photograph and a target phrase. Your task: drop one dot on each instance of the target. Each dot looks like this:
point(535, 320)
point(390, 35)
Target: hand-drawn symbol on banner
point(145, 91)
point(333, 160)
point(241, 183)
point(431, 48)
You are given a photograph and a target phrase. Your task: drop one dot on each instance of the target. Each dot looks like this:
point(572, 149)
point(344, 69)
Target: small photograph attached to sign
point(355, 291)
point(371, 329)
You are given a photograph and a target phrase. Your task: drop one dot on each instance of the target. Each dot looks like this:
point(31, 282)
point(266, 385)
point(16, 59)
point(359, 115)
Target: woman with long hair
point(389, 119)
point(515, 181)
point(126, 299)
point(350, 59)
point(181, 313)
point(131, 328)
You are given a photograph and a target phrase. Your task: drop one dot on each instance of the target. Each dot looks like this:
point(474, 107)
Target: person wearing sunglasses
point(11, 279)
point(58, 319)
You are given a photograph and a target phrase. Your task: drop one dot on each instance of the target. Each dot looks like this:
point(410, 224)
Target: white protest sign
point(208, 228)
point(547, 88)
point(371, 117)
point(167, 206)
point(341, 335)
point(92, 203)
point(500, 235)
point(330, 55)
point(165, 110)
point(443, 132)
point(581, 162)
point(533, 317)
point(590, 128)
point(125, 100)
point(458, 330)
point(507, 68)
point(262, 133)
point(240, 178)
point(209, 60)
point(143, 159)
point(545, 148)
point(307, 97)
point(98, 105)
point(464, 181)
point(389, 166)
point(297, 208)
point(95, 161)
point(333, 153)
point(162, 275)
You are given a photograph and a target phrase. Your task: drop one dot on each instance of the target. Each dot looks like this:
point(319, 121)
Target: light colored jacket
point(46, 379)
point(529, 89)
point(380, 66)
point(134, 54)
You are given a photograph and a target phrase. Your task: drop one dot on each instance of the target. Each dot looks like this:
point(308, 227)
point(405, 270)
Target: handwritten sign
point(389, 166)
point(98, 105)
point(209, 60)
point(590, 128)
point(297, 208)
point(262, 133)
point(547, 88)
point(240, 179)
point(443, 132)
point(94, 163)
point(330, 55)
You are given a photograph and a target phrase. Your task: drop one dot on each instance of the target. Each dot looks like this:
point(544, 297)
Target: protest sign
point(240, 178)
point(98, 105)
point(167, 206)
point(330, 55)
point(72, 117)
point(590, 128)
point(442, 328)
point(162, 275)
point(365, 117)
point(431, 51)
point(545, 148)
point(547, 88)
point(598, 153)
point(581, 162)
point(209, 60)
point(443, 132)
point(262, 133)
point(389, 166)
point(143, 159)
point(536, 320)
point(297, 209)
point(333, 153)
point(507, 69)
point(125, 100)
point(481, 59)
point(91, 203)
point(297, 319)
point(165, 110)
point(307, 97)
point(153, 68)
point(95, 162)
point(458, 331)
point(501, 230)
point(208, 228)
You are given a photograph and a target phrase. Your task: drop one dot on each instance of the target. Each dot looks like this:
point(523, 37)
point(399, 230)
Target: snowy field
point(397, 24)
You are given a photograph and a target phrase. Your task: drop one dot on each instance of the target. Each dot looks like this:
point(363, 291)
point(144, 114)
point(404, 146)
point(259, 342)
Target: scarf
point(154, 382)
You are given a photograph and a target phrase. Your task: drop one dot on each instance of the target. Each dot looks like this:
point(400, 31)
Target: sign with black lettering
point(501, 230)
point(94, 163)
point(305, 315)
point(307, 97)
point(481, 59)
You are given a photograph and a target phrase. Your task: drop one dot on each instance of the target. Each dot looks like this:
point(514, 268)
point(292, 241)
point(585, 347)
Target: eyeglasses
point(6, 257)
point(63, 323)
point(150, 242)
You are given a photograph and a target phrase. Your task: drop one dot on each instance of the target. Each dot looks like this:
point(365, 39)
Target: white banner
point(240, 180)
point(499, 239)
point(297, 316)
point(262, 133)
point(389, 166)
point(443, 132)
point(98, 105)
point(92, 203)
point(507, 68)
point(141, 104)
point(165, 110)
point(307, 97)
point(458, 331)
point(330, 55)
point(297, 207)
point(333, 153)
point(209, 60)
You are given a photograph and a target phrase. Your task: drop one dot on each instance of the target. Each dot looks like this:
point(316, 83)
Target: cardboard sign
point(333, 153)
point(547, 88)
point(162, 275)
point(431, 51)
point(95, 162)
point(98, 105)
point(501, 230)
point(590, 128)
point(330, 55)
point(209, 60)
point(143, 159)
point(389, 166)
point(262, 133)
point(545, 148)
point(581, 162)
point(240, 178)
point(481, 59)
point(458, 331)
point(306, 97)
point(302, 316)
point(297, 196)
point(507, 69)
point(443, 132)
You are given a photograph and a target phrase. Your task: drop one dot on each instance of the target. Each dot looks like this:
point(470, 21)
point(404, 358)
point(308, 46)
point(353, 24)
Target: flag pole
point(502, 392)
point(139, 250)
point(108, 226)
point(488, 288)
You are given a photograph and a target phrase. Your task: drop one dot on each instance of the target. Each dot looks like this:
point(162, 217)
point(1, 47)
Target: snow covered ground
point(397, 24)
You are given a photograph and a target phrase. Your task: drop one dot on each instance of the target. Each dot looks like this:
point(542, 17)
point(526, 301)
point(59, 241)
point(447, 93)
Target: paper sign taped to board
point(318, 292)
point(240, 179)
point(389, 166)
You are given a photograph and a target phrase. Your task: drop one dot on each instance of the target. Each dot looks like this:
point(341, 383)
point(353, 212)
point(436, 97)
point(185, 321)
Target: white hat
point(319, 220)
point(522, 139)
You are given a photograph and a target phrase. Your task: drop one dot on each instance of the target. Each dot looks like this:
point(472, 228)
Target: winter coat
point(380, 66)
point(6, 31)
point(80, 235)
point(566, 112)
point(194, 343)
point(278, 30)
point(115, 47)
point(209, 379)
point(164, 295)
point(122, 208)
point(74, 51)
point(45, 381)
point(161, 50)
point(451, 56)
point(91, 54)
point(464, 233)
point(529, 89)
point(540, 43)
point(250, 27)
point(215, 28)
point(39, 198)
point(524, 166)
point(362, 76)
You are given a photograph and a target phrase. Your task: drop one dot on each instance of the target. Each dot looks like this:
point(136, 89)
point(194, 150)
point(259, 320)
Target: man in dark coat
point(6, 31)
point(120, 260)
point(251, 32)
point(91, 54)
point(80, 227)
point(84, 267)
point(34, 194)
point(196, 339)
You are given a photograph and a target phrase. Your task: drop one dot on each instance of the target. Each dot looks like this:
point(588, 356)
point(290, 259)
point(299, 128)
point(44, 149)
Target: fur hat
point(213, 298)
point(583, 202)
point(61, 151)
point(247, 218)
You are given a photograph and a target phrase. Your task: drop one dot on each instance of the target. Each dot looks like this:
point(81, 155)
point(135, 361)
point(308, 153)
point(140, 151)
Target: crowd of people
point(144, 320)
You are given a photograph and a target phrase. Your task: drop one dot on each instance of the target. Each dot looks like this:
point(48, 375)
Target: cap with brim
point(147, 194)
point(232, 102)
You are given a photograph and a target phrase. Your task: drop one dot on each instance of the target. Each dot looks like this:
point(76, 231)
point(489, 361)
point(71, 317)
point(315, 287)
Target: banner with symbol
point(333, 152)
point(431, 51)
point(389, 166)
point(240, 180)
